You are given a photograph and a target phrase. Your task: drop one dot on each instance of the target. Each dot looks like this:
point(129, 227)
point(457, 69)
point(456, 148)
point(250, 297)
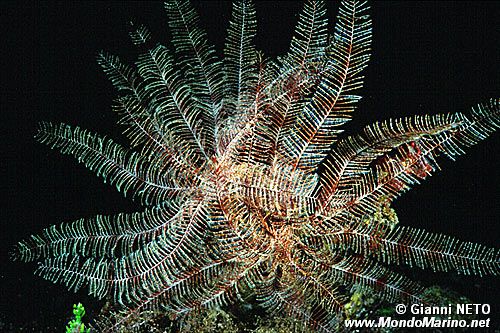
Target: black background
point(428, 57)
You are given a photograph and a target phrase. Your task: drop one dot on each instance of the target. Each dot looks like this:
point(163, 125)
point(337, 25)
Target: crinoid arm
point(388, 158)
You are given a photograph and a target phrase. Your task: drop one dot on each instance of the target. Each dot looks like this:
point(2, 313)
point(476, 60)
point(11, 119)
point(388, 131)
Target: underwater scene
point(246, 166)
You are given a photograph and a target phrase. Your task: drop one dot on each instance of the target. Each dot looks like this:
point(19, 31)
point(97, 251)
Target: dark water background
point(428, 57)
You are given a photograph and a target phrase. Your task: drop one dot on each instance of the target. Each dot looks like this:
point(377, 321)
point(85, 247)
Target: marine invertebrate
point(76, 325)
point(242, 189)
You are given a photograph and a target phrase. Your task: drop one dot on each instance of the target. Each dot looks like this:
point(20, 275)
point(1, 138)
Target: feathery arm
point(147, 179)
point(396, 171)
point(330, 107)
point(198, 61)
